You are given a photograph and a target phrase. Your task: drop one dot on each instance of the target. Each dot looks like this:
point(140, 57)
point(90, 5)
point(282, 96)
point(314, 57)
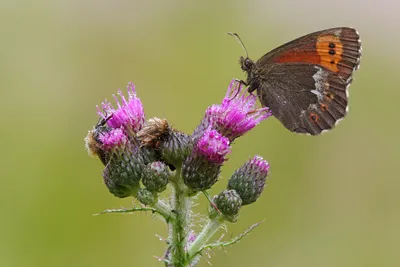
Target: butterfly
point(305, 82)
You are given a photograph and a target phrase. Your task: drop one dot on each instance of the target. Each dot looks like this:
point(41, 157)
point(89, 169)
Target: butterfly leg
point(237, 90)
point(241, 82)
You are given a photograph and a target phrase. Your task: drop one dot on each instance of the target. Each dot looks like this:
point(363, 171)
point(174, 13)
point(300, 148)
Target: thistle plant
point(165, 170)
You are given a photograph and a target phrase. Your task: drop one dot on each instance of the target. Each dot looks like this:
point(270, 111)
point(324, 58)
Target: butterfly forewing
point(337, 49)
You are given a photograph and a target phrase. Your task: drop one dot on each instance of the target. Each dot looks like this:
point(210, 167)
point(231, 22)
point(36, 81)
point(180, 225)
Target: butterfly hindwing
point(306, 98)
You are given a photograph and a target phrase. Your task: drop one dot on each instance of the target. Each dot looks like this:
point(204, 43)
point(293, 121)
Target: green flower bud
point(146, 197)
point(122, 175)
point(172, 146)
point(229, 203)
point(175, 148)
point(155, 176)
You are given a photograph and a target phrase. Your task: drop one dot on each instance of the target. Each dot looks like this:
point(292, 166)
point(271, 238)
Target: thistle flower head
point(249, 180)
point(202, 167)
point(235, 116)
point(113, 138)
point(213, 146)
point(129, 113)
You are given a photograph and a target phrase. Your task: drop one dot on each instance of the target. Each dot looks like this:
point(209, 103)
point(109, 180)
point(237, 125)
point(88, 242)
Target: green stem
point(179, 226)
point(208, 231)
point(164, 210)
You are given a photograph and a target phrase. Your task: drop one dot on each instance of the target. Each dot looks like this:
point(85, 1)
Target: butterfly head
point(247, 64)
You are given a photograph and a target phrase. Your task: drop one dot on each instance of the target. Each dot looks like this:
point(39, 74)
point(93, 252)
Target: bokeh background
point(332, 200)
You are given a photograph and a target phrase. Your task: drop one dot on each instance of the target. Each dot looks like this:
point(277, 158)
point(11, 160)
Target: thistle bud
point(249, 180)
point(122, 177)
point(155, 176)
point(228, 203)
point(173, 146)
point(146, 197)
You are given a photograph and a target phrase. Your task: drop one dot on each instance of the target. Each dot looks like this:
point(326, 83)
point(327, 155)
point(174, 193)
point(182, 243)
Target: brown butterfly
point(305, 82)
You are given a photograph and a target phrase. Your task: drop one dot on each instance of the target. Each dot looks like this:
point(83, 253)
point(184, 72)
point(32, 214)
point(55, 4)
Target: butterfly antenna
point(237, 38)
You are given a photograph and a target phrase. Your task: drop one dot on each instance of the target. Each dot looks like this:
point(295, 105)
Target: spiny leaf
point(236, 239)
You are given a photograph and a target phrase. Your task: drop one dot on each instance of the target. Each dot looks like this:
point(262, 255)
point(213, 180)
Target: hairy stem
point(179, 227)
point(208, 231)
point(164, 210)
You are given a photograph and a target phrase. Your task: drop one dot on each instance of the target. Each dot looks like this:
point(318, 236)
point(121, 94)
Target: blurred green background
point(332, 200)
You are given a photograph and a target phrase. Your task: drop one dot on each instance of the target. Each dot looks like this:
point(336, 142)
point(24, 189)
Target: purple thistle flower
point(113, 138)
point(235, 116)
point(201, 168)
point(213, 146)
point(260, 165)
point(129, 114)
